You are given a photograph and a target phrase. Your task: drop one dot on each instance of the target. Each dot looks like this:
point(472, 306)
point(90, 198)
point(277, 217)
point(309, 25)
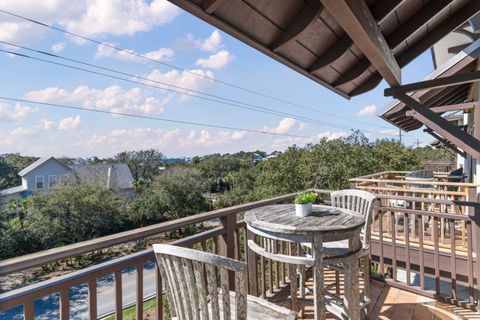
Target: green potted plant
point(303, 203)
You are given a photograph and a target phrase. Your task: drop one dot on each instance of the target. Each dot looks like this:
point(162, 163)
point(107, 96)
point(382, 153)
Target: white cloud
point(216, 61)
point(162, 54)
point(58, 47)
point(132, 139)
point(86, 17)
point(330, 135)
point(14, 114)
point(389, 132)
point(368, 111)
point(48, 124)
point(70, 123)
point(284, 126)
point(210, 44)
point(113, 98)
point(185, 79)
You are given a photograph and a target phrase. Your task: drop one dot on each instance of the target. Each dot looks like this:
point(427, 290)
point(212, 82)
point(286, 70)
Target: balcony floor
point(390, 303)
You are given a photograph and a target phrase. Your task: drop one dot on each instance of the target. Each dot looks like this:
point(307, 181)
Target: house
point(117, 176)
point(42, 174)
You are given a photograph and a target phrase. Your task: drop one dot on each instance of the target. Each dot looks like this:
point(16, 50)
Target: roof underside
point(464, 62)
point(304, 36)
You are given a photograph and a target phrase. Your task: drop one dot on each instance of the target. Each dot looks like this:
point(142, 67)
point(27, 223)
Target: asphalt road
point(47, 308)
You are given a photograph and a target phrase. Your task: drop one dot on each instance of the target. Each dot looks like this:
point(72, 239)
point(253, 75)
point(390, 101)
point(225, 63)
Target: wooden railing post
point(227, 243)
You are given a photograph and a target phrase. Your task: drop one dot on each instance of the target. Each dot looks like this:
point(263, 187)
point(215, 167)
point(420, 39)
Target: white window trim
point(37, 180)
point(50, 180)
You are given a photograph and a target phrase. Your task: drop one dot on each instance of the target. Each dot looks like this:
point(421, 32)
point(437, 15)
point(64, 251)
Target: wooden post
point(227, 243)
point(252, 267)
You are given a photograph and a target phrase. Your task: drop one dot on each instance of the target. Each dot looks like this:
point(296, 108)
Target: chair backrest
point(358, 201)
point(422, 174)
point(192, 286)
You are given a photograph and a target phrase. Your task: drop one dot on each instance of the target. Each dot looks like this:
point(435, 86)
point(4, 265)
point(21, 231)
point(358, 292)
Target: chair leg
point(337, 283)
point(366, 289)
point(293, 287)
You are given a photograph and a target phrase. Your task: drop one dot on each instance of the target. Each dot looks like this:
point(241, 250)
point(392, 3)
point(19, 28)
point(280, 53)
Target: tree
point(171, 195)
point(144, 164)
point(73, 212)
point(10, 165)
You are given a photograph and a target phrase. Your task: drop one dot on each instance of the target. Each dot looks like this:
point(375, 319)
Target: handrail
point(422, 182)
point(42, 257)
point(13, 298)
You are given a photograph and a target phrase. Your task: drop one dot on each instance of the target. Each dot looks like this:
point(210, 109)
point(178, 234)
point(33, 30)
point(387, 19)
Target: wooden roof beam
point(399, 36)
point(453, 107)
point(446, 129)
point(302, 21)
point(456, 20)
point(445, 142)
point(380, 12)
point(355, 18)
point(452, 80)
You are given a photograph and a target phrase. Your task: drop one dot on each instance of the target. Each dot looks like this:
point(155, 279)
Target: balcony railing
point(426, 244)
point(426, 235)
point(440, 166)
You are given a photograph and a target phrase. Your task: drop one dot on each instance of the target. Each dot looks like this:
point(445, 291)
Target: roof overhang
point(466, 61)
point(348, 46)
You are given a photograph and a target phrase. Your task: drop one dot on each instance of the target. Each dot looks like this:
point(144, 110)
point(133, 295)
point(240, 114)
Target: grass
point(148, 307)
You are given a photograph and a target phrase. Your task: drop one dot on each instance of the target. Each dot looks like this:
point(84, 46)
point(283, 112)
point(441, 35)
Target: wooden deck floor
point(394, 304)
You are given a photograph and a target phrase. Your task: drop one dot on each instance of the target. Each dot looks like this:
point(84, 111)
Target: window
point(51, 181)
point(39, 182)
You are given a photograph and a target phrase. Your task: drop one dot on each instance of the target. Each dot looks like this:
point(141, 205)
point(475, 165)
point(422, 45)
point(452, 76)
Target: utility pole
point(400, 135)
point(418, 143)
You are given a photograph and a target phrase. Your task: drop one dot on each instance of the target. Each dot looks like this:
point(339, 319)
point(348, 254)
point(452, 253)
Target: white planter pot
point(303, 210)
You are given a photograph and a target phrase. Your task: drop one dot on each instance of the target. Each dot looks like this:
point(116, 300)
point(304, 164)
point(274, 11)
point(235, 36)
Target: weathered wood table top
point(324, 219)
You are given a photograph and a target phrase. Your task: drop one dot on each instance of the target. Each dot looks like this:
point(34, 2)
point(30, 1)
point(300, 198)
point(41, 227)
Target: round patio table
point(325, 224)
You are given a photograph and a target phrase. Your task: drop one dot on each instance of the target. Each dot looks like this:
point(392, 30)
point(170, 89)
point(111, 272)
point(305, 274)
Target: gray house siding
point(48, 169)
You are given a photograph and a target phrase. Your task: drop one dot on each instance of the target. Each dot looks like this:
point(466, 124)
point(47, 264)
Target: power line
point(248, 106)
point(260, 109)
point(154, 118)
point(132, 53)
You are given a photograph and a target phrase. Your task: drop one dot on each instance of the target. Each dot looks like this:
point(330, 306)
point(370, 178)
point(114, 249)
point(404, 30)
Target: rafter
point(442, 126)
point(355, 18)
point(453, 80)
point(398, 37)
point(302, 21)
point(454, 107)
point(456, 20)
point(445, 142)
point(380, 12)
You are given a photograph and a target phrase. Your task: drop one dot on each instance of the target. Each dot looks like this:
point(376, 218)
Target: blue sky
point(161, 31)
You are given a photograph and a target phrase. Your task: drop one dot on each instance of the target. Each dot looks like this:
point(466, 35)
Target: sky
point(201, 59)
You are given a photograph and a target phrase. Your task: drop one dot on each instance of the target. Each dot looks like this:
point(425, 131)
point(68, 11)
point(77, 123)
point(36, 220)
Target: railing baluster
point(92, 298)
point(380, 233)
point(394, 245)
point(436, 255)
point(270, 269)
point(406, 226)
point(65, 304)
point(159, 294)
point(277, 265)
point(118, 295)
point(453, 258)
point(139, 297)
point(29, 310)
point(471, 290)
point(421, 233)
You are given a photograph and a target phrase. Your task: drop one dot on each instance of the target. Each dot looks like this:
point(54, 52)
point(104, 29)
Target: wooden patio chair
point(194, 292)
point(360, 202)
